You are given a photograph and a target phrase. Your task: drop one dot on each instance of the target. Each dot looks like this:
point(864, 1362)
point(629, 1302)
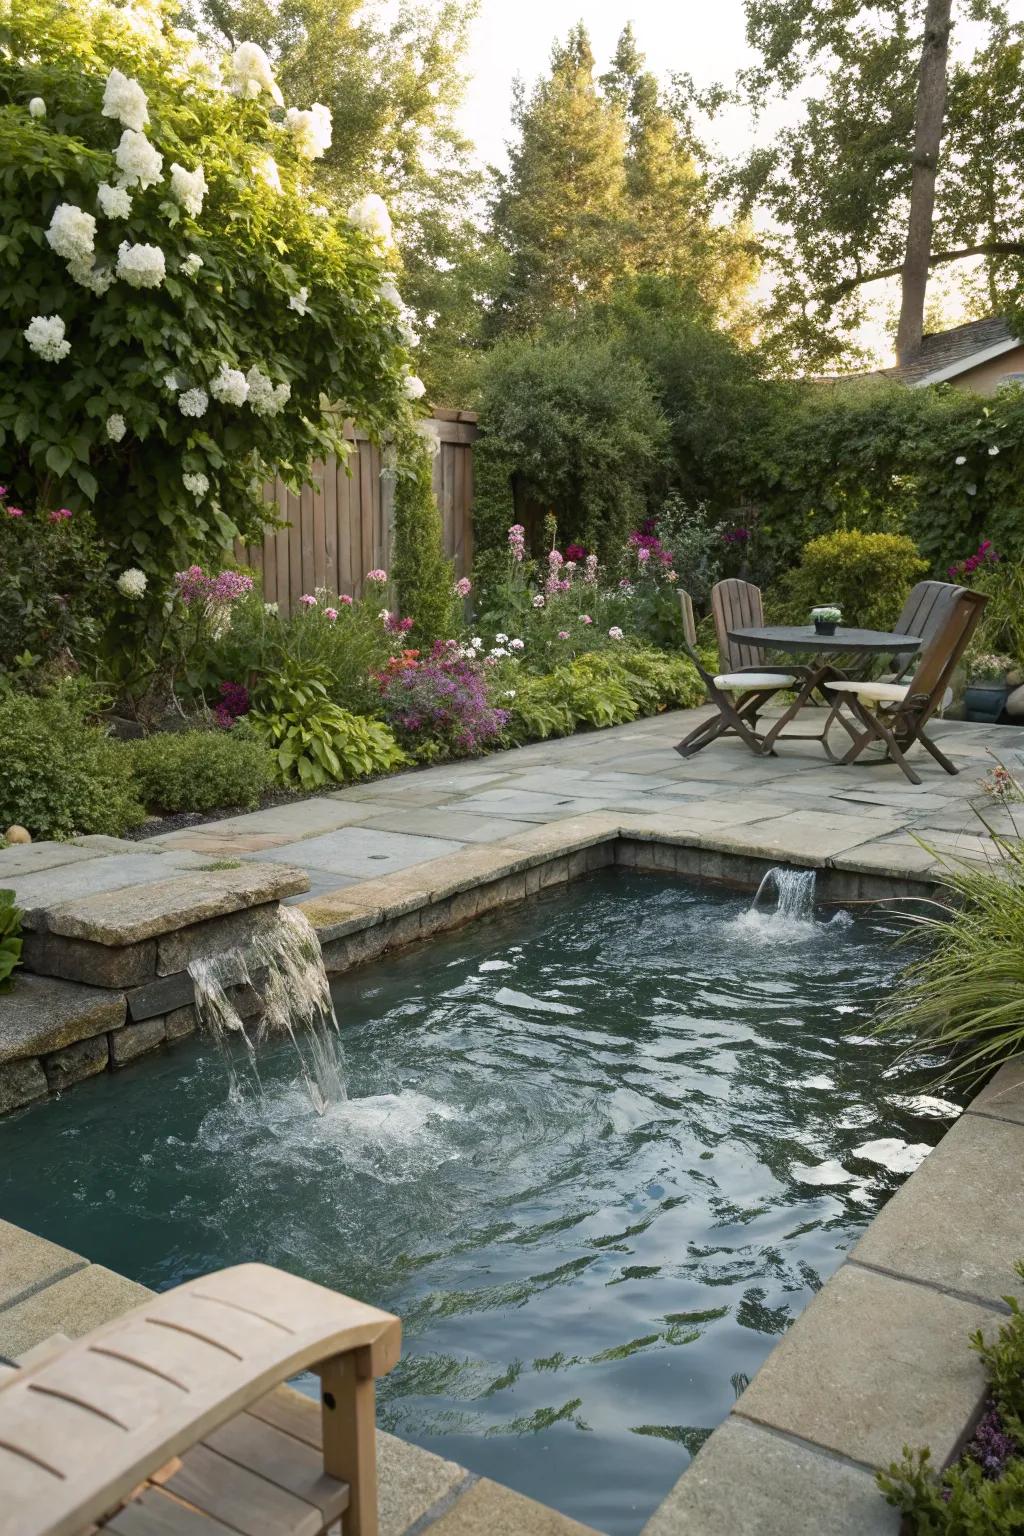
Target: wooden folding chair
point(897, 713)
point(744, 685)
point(160, 1423)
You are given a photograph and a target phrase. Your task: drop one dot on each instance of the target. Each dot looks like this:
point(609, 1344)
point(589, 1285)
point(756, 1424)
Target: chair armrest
point(81, 1429)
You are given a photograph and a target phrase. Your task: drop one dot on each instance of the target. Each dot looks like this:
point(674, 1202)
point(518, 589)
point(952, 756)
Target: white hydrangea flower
point(267, 170)
point(961, 458)
point(298, 302)
point(85, 271)
point(189, 188)
point(311, 130)
point(141, 266)
point(139, 163)
point(198, 484)
point(190, 266)
point(126, 100)
point(388, 291)
point(413, 387)
point(45, 336)
point(253, 74)
point(266, 398)
point(132, 583)
point(408, 332)
point(37, 107)
point(370, 214)
point(72, 232)
point(230, 386)
point(171, 382)
point(193, 402)
point(116, 427)
point(115, 202)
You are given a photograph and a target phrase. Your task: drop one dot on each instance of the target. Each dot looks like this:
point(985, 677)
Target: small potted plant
point(825, 619)
point(987, 688)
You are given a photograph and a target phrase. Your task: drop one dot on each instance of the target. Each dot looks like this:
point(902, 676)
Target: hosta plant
point(316, 742)
point(10, 938)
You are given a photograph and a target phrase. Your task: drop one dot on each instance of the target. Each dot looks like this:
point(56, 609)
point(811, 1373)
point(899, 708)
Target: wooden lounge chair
point(160, 1424)
point(925, 611)
point(896, 714)
point(745, 683)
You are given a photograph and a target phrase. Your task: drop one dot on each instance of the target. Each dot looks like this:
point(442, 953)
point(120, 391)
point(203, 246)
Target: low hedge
point(200, 770)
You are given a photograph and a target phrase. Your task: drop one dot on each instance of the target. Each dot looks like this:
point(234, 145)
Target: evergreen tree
point(423, 576)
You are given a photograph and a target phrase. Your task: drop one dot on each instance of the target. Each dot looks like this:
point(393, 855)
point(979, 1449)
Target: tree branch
point(990, 248)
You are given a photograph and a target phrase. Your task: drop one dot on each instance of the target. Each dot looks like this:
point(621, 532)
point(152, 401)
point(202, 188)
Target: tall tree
point(928, 126)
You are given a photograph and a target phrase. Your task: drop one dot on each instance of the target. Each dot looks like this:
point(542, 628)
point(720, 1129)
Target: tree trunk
point(931, 106)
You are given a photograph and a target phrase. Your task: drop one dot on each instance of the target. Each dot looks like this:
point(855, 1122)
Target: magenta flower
point(15, 512)
point(575, 552)
point(308, 600)
point(330, 614)
point(344, 598)
point(61, 515)
point(463, 587)
point(378, 576)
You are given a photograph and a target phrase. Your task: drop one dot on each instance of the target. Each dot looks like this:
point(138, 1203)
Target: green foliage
point(970, 1498)
point(200, 770)
point(964, 999)
point(260, 249)
point(599, 689)
point(866, 575)
point(10, 938)
point(54, 587)
point(61, 775)
point(423, 577)
point(314, 741)
point(1001, 630)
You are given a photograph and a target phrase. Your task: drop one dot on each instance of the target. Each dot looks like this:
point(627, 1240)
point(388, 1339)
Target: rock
point(76, 1063)
point(43, 1014)
point(98, 965)
point(135, 1040)
point(1015, 704)
point(20, 1083)
point(1015, 677)
point(17, 834)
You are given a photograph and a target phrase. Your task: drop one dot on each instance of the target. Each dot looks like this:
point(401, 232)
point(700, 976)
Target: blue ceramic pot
point(985, 702)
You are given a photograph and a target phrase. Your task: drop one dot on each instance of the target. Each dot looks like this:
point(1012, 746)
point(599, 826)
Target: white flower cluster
point(115, 203)
point(116, 427)
point(141, 266)
point(45, 336)
point(230, 386)
point(311, 130)
point(190, 266)
point(139, 163)
point(189, 188)
point(267, 170)
point(253, 74)
point(86, 272)
point(132, 583)
point(389, 293)
point(370, 214)
point(126, 100)
point(72, 233)
point(37, 107)
point(298, 302)
point(413, 387)
point(193, 402)
point(198, 484)
point(266, 398)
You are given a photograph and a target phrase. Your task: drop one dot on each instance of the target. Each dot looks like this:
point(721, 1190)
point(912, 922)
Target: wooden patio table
point(853, 647)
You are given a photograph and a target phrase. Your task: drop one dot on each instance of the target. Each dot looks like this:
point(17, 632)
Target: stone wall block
point(76, 1062)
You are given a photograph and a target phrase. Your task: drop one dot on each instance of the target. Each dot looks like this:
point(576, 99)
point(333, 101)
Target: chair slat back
point(939, 658)
point(736, 605)
point(925, 611)
point(689, 623)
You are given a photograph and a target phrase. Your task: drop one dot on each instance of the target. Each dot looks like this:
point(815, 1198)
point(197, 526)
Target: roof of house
point(945, 354)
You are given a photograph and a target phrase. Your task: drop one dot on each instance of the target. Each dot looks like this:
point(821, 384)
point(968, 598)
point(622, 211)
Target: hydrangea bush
point(179, 317)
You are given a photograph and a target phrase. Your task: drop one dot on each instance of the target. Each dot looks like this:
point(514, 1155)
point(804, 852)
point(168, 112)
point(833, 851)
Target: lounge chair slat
point(24, 1480)
point(247, 1502)
point(127, 1394)
point(281, 1459)
point(289, 1411)
point(155, 1513)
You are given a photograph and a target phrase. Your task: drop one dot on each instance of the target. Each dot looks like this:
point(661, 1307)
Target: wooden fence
point(341, 528)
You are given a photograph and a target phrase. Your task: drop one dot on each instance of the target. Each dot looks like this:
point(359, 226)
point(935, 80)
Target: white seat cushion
point(748, 680)
point(872, 693)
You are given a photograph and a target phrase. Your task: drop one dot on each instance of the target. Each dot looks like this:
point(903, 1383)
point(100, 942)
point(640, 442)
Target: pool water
point(598, 1153)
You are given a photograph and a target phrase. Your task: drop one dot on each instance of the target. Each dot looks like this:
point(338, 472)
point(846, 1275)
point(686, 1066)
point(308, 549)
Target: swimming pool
point(597, 1152)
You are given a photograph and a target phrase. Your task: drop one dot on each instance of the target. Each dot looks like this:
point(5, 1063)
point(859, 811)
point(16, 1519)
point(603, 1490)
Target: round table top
point(804, 637)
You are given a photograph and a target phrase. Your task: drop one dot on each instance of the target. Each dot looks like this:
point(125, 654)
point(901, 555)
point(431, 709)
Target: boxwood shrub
point(200, 770)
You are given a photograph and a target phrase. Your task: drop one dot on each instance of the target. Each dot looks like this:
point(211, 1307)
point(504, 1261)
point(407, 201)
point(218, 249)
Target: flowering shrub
point(1002, 619)
point(984, 557)
point(438, 705)
point(54, 585)
point(178, 315)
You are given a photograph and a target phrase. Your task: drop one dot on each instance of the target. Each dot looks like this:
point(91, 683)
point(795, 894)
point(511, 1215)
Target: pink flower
point(555, 559)
point(615, 633)
point(308, 600)
point(380, 576)
point(585, 618)
point(590, 571)
point(15, 512)
point(643, 555)
point(344, 598)
point(671, 576)
point(61, 515)
point(463, 587)
point(563, 634)
point(3, 490)
point(330, 614)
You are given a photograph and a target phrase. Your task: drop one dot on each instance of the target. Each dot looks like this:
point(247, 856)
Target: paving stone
point(44, 1014)
point(296, 820)
point(96, 965)
point(802, 837)
point(21, 1082)
point(130, 916)
point(897, 856)
point(28, 1262)
point(1003, 1095)
point(957, 1222)
point(135, 1040)
point(490, 1508)
point(76, 1063)
point(33, 858)
point(746, 1481)
point(355, 851)
point(873, 1364)
point(454, 825)
point(204, 941)
point(530, 805)
point(410, 1482)
point(90, 875)
point(90, 1296)
point(911, 798)
point(733, 811)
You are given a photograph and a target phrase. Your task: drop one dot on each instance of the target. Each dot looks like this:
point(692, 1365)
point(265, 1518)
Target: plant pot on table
point(824, 626)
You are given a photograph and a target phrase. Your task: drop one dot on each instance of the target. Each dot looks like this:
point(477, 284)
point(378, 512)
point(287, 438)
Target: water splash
point(289, 967)
point(791, 920)
point(794, 894)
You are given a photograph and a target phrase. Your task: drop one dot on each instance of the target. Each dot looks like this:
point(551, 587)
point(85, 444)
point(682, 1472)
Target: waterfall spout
point(794, 894)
